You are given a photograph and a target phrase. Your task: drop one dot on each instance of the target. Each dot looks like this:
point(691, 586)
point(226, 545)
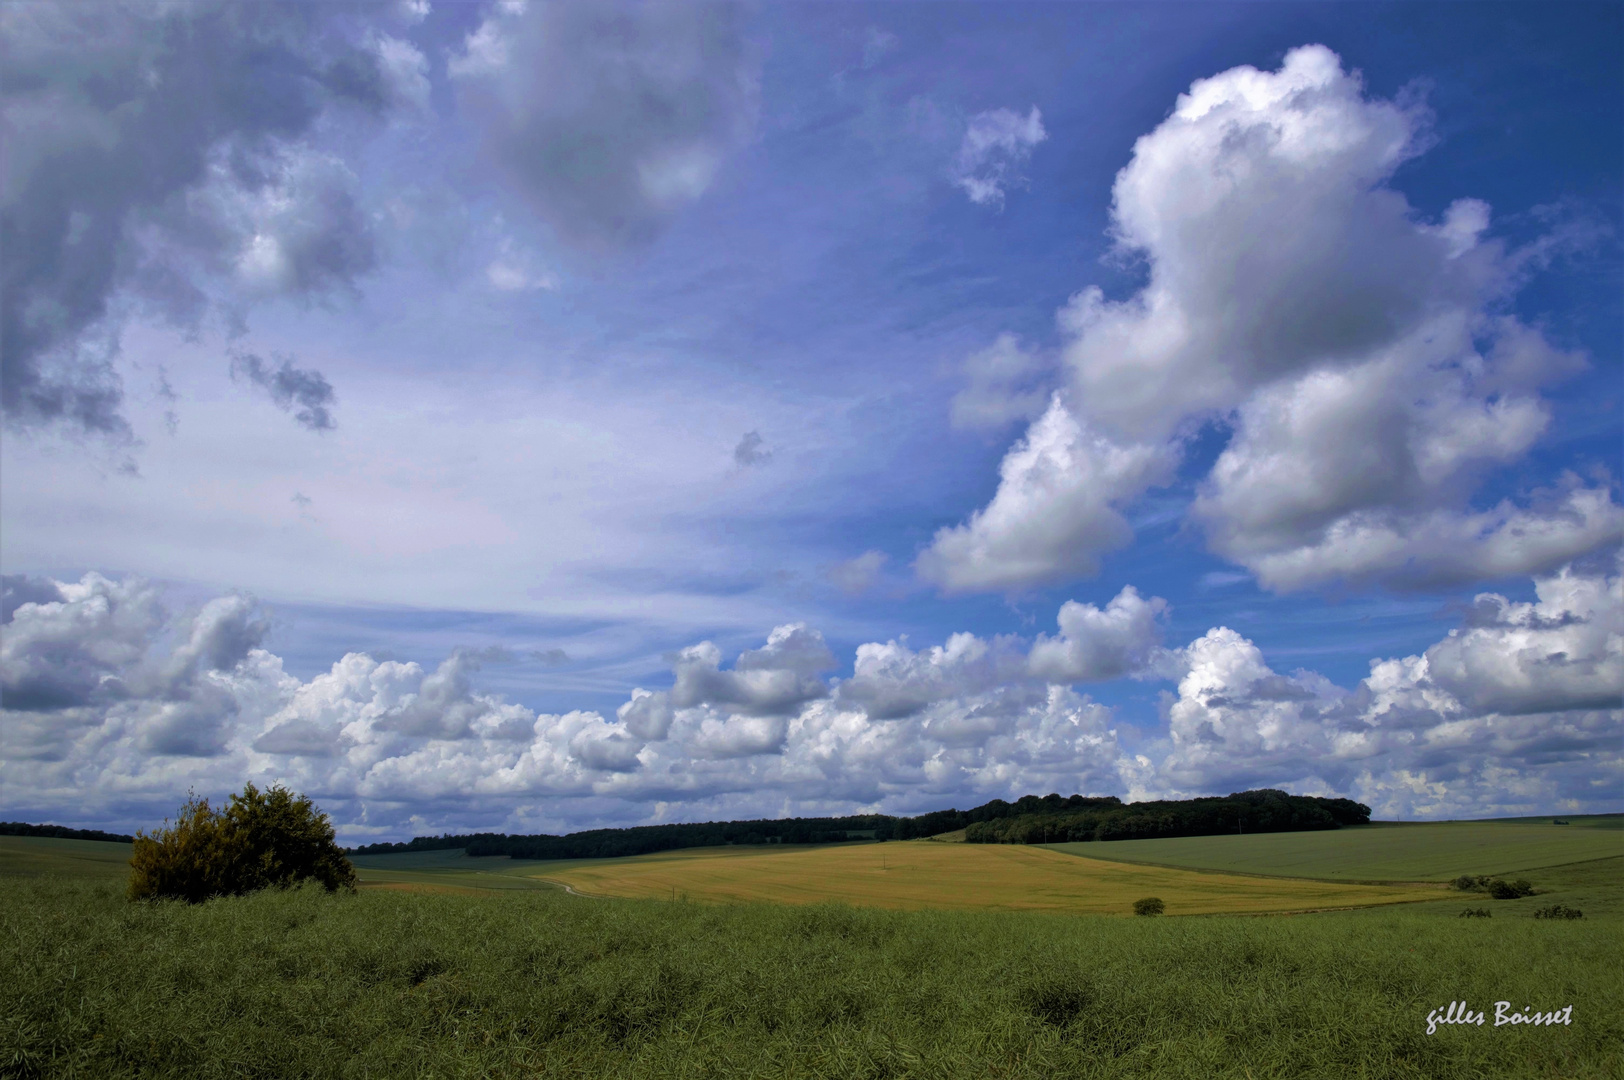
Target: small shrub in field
point(260, 839)
point(1150, 905)
point(1476, 913)
point(1510, 890)
point(1558, 911)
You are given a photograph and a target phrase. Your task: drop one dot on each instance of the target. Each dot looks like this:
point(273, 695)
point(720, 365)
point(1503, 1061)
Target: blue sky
point(436, 407)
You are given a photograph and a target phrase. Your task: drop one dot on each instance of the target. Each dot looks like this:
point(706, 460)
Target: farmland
point(917, 875)
point(448, 966)
point(538, 983)
point(1428, 851)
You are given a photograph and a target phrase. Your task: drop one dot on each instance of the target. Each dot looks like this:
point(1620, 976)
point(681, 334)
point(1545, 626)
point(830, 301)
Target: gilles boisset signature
point(1458, 1012)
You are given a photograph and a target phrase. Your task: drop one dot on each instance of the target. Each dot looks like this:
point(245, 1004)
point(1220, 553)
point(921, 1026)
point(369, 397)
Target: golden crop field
point(1008, 877)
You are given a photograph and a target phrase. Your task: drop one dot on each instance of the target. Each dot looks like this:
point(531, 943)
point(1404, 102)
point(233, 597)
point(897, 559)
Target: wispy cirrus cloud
point(995, 147)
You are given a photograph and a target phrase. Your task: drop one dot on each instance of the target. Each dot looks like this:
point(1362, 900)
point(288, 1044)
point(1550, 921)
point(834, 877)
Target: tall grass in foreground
point(385, 984)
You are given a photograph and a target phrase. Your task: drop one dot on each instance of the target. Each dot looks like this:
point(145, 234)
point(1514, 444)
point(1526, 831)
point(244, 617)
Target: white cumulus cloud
point(1058, 508)
point(113, 707)
point(1356, 352)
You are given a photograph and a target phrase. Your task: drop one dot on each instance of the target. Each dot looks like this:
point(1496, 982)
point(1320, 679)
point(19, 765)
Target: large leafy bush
point(261, 839)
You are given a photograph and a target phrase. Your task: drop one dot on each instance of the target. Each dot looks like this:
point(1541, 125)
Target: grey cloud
point(222, 635)
point(443, 705)
point(1057, 510)
point(19, 589)
point(490, 654)
point(615, 752)
point(972, 721)
point(92, 650)
point(303, 391)
point(749, 451)
point(305, 738)
point(772, 681)
point(857, 575)
point(741, 736)
point(1096, 645)
point(892, 682)
point(647, 715)
point(1565, 651)
point(81, 649)
point(610, 118)
point(196, 727)
point(130, 129)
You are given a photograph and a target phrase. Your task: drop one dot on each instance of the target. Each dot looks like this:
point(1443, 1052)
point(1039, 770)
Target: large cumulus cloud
point(1357, 353)
point(109, 700)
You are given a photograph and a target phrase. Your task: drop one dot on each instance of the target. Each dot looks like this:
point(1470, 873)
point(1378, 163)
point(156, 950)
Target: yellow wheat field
point(1006, 877)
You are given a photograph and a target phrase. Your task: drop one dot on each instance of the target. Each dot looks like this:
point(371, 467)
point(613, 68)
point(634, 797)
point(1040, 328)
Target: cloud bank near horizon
point(114, 706)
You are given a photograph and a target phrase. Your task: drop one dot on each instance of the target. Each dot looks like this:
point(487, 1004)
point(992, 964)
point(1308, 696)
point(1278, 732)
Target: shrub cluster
point(259, 840)
point(1495, 887)
point(1476, 913)
point(1558, 911)
point(1150, 905)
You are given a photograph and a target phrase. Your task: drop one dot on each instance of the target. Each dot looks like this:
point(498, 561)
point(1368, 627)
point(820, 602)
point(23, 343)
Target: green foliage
point(261, 839)
point(60, 832)
point(1476, 913)
point(650, 839)
point(1510, 890)
point(1495, 887)
point(1263, 811)
point(1150, 905)
point(1057, 819)
point(302, 983)
point(1558, 911)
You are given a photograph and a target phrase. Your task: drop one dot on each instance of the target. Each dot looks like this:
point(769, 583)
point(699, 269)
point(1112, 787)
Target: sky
point(532, 417)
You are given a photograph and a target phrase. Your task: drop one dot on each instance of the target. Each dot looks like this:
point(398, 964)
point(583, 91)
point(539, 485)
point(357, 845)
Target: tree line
point(1029, 820)
point(648, 839)
point(61, 832)
point(1266, 810)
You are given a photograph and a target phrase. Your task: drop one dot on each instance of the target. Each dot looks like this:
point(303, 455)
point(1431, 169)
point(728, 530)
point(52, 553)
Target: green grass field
point(445, 966)
point(543, 984)
point(1384, 852)
point(32, 855)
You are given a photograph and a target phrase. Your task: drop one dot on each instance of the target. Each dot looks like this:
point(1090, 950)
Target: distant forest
point(60, 832)
point(1243, 812)
point(1029, 820)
